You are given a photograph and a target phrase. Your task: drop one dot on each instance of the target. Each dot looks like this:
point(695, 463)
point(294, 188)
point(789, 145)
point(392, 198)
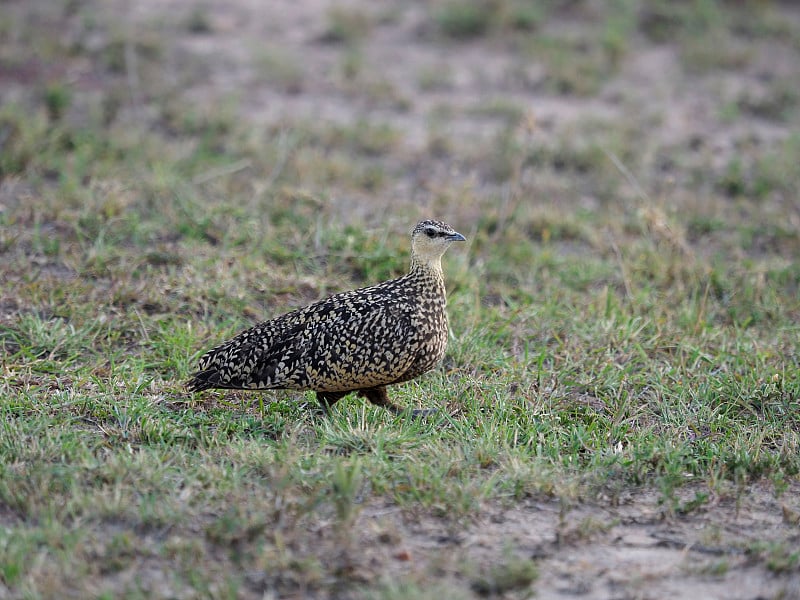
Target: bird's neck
point(430, 269)
point(425, 265)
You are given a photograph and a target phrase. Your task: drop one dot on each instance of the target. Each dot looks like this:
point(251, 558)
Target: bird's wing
point(366, 340)
point(255, 359)
point(349, 341)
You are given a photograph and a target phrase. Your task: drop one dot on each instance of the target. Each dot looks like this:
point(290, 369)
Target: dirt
point(634, 549)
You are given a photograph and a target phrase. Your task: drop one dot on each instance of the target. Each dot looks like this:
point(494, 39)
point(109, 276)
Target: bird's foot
point(424, 413)
point(414, 413)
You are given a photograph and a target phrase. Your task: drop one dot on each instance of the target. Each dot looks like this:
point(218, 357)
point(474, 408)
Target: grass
point(280, 70)
point(468, 19)
point(585, 389)
point(603, 339)
point(514, 573)
point(346, 25)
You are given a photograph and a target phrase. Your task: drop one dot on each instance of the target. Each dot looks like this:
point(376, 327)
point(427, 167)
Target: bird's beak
point(456, 237)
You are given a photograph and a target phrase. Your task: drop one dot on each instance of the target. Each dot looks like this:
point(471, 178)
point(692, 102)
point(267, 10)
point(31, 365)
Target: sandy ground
point(636, 549)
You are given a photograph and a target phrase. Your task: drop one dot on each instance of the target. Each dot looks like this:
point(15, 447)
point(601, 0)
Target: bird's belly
point(352, 373)
point(431, 352)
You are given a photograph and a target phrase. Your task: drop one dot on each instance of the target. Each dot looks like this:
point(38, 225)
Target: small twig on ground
point(132, 74)
point(230, 169)
point(625, 278)
point(634, 183)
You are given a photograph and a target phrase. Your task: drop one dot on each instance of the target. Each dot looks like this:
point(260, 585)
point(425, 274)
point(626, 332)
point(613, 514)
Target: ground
point(619, 411)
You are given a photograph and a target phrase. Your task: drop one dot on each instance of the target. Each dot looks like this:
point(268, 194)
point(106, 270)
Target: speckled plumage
point(355, 341)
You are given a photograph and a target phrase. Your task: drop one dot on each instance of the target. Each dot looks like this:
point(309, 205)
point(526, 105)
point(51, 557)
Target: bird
point(358, 341)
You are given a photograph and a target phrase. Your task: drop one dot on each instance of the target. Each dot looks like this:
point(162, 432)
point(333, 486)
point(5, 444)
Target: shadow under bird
point(356, 341)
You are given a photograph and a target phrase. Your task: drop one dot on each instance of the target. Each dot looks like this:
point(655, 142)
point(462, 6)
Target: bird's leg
point(328, 399)
point(379, 397)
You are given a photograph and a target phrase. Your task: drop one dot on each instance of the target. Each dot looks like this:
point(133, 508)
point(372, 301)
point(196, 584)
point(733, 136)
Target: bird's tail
point(203, 380)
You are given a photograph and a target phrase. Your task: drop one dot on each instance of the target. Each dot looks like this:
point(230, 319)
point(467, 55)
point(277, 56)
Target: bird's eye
point(430, 232)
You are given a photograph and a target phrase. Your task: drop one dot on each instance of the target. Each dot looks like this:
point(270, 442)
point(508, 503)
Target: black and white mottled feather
point(356, 341)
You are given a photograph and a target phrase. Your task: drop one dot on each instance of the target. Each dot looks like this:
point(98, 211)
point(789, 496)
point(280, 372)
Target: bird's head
point(430, 239)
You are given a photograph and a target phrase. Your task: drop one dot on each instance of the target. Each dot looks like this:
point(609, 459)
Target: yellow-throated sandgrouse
point(356, 341)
